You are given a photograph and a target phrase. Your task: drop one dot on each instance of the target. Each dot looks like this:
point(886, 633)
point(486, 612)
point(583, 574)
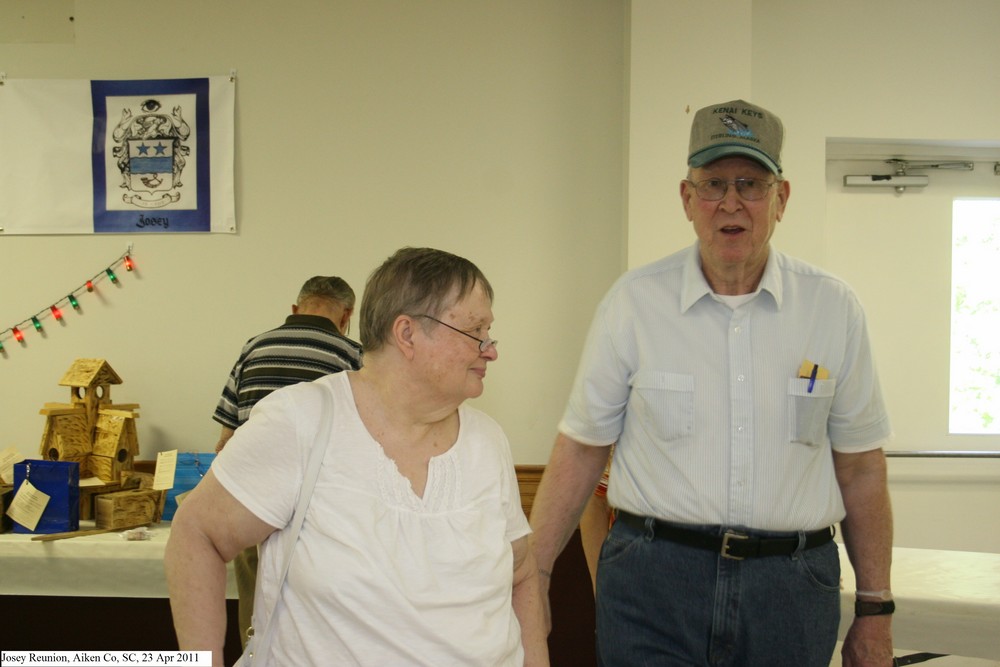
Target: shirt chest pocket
point(663, 404)
point(809, 411)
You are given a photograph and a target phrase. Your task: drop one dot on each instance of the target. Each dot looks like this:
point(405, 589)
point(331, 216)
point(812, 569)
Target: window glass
point(975, 317)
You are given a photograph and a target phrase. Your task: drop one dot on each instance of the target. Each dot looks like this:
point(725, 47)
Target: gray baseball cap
point(736, 128)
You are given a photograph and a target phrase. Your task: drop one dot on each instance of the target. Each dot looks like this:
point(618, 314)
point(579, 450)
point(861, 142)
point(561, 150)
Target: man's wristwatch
point(873, 607)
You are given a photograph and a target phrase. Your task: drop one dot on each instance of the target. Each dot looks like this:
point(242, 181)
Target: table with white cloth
point(90, 592)
point(946, 601)
point(101, 565)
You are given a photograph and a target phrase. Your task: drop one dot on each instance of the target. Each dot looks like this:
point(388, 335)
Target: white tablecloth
point(104, 565)
point(946, 601)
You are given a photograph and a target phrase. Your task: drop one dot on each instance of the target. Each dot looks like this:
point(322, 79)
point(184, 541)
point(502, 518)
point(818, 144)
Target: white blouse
point(380, 576)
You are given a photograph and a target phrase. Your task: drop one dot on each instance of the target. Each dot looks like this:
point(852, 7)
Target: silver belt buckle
point(729, 535)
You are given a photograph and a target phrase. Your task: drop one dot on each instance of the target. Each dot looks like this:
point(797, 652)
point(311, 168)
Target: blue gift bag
point(60, 480)
point(191, 467)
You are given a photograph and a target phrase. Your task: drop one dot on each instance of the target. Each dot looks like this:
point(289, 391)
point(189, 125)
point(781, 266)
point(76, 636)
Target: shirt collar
point(316, 321)
point(694, 286)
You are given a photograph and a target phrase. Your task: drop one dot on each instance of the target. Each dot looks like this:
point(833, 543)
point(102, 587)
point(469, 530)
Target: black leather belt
point(731, 544)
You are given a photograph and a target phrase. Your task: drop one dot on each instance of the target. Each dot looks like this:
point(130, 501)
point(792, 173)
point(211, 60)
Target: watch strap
point(874, 607)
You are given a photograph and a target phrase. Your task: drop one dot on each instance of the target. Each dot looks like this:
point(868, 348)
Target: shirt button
point(741, 377)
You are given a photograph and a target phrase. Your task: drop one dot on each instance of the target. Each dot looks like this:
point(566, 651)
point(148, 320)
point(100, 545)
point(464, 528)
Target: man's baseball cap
point(736, 128)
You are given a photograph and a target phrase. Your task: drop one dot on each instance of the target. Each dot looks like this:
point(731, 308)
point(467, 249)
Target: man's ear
point(687, 192)
point(345, 320)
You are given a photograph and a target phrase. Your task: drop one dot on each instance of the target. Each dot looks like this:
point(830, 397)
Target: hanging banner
point(119, 156)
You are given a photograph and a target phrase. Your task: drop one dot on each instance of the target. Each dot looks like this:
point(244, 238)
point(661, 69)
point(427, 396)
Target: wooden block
point(126, 509)
point(132, 479)
point(6, 496)
point(89, 493)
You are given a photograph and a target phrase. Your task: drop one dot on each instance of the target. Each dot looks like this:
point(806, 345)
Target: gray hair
point(327, 287)
point(414, 281)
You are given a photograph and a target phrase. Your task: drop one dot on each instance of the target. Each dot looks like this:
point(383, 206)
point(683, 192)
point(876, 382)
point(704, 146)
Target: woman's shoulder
point(485, 435)
point(478, 422)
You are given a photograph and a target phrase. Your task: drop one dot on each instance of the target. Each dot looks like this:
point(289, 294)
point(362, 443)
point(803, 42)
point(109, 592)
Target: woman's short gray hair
point(414, 281)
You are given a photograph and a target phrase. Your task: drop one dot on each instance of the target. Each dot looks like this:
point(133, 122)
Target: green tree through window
point(975, 317)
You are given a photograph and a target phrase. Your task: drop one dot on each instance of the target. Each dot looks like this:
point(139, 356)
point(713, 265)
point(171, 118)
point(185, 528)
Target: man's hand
point(868, 643)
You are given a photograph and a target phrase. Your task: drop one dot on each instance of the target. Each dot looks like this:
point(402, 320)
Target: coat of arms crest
point(151, 154)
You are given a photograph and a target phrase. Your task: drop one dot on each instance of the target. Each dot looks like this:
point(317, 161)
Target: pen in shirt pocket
point(812, 371)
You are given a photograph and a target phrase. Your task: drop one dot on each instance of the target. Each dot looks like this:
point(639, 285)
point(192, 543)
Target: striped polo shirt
point(304, 348)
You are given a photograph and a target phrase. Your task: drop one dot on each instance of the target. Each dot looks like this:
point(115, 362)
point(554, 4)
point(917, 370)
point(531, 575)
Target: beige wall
point(673, 73)
point(490, 129)
point(900, 69)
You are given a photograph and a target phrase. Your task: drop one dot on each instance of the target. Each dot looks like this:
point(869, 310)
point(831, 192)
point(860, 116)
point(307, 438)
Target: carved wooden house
point(91, 430)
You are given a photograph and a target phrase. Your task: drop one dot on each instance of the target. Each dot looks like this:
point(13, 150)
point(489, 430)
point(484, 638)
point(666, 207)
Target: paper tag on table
point(166, 464)
point(8, 458)
point(28, 505)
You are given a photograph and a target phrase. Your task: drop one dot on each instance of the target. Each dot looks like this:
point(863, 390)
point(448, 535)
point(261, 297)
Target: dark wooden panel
point(572, 641)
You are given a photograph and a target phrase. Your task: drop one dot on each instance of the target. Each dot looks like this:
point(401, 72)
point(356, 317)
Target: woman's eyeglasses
point(484, 343)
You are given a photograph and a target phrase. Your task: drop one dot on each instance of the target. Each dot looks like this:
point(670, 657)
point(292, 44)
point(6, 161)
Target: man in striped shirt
point(310, 344)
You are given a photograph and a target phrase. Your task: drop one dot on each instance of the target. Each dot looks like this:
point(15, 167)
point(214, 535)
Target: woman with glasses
point(413, 549)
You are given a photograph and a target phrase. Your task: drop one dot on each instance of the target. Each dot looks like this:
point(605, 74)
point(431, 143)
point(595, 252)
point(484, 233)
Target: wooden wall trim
point(528, 478)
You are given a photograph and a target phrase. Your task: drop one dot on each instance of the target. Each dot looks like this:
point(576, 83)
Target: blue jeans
point(666, 604)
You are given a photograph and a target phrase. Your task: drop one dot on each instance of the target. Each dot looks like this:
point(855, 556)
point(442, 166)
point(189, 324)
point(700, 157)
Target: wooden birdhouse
point(90, 429)
point(90, 383)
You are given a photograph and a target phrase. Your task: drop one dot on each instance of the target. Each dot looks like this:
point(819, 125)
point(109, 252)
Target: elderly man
point(740, 388)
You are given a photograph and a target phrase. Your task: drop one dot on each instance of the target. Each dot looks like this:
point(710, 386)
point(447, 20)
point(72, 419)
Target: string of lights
point(55, 309)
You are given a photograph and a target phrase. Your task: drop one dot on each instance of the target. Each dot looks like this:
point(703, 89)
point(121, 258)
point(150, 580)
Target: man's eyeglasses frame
point(749, 189)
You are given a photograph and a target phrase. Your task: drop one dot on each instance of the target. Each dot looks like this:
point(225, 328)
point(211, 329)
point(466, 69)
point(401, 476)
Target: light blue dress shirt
point(713, 422)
